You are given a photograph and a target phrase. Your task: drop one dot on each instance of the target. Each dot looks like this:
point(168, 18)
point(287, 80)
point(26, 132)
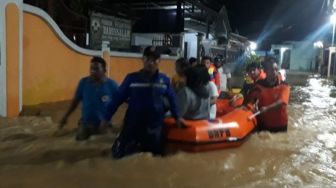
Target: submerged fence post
point(106, 54)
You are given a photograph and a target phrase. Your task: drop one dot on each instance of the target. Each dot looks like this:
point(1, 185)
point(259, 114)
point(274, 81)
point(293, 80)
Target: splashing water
point(303, 157)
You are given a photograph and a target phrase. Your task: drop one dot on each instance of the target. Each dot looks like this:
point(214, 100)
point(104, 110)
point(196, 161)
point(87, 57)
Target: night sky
point(274, 21)
point(265, 21)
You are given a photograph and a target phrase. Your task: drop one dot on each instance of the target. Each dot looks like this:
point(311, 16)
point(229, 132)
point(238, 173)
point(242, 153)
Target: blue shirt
point(146, 95)
point(95, 97)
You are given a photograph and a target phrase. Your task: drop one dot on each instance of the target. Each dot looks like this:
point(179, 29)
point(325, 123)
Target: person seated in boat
point(179, 80)
point(213, 99)
point(271, 97)
point(145, 91)
point(224, 77)
point(192, 61)
point(212, 70)
point(193, 100)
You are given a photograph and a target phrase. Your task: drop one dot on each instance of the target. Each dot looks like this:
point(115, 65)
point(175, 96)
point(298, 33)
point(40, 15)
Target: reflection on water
point(31, 154)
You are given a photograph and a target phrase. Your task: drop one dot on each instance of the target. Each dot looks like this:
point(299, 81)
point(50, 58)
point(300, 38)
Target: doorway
point(285, 64)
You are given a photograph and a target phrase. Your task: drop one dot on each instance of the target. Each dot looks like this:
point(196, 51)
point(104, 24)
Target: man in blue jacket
point(145, 91)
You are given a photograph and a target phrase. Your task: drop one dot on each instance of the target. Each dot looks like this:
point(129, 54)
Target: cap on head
point(218, 58)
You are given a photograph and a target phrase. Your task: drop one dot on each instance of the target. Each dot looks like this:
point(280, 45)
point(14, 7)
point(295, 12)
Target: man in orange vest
point(271, 97)
point(254, 72)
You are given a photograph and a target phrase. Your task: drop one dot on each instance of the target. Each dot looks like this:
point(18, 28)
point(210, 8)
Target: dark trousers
point(274, 129)
point(85, 130)
point(139, 134)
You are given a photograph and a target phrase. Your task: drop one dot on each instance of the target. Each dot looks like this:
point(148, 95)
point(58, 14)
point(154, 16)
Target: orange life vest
point(276, 118)
point(262, 75)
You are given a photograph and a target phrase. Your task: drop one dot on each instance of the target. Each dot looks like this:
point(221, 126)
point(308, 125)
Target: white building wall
point(145, 39)
point(191, 39)
point(302, 54)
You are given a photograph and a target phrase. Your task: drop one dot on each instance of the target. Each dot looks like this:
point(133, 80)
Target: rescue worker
point(145, 92)
point(254, 73)
point(271, 97)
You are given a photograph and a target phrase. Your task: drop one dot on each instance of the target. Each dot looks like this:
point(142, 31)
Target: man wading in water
point(145, 92)
point(95, 92)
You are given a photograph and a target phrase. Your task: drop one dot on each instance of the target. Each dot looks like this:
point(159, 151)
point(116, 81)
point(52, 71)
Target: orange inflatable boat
point(229, 130)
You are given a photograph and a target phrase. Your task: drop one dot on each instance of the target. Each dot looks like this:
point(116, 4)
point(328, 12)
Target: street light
point(318, 44)
point(254, 45)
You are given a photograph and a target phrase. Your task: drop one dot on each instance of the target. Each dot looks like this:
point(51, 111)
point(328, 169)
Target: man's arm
point(283, 100)
point(274, 105)
point(72, 107)
point(74, 103)
point(174, 107)
point(172, 101)
point(251, 96)
point(213, 93)
point(121, 96)
point(182, 102)
point(217, 79)
point(228, 81)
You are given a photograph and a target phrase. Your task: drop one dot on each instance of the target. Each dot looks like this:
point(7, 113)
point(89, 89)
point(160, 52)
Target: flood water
point(32, 155)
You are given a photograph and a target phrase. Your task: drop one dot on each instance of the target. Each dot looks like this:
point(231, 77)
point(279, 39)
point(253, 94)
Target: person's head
point(253, 70)
point(151, 59)
point(97, 68)
point(197, 78)
point(271, 68)
point(181, 65)
point(192, 61)
point(206, 61)
point(218, 61)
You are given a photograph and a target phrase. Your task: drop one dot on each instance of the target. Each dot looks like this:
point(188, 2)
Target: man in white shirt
point(224, 74)
point(213, 98)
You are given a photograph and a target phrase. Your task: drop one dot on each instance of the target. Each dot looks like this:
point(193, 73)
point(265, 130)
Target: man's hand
point(62, 123)
point(104, 125)
point(263, 109)
point(234, 99)
point(180, 123)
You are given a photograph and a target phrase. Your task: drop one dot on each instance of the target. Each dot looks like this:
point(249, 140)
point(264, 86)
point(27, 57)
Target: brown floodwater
point(32, 155)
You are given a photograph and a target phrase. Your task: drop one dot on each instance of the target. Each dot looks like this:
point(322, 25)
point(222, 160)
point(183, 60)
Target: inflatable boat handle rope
point(265, 109)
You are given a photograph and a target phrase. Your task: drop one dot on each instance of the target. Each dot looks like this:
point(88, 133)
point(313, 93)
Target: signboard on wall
point(109, 28)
